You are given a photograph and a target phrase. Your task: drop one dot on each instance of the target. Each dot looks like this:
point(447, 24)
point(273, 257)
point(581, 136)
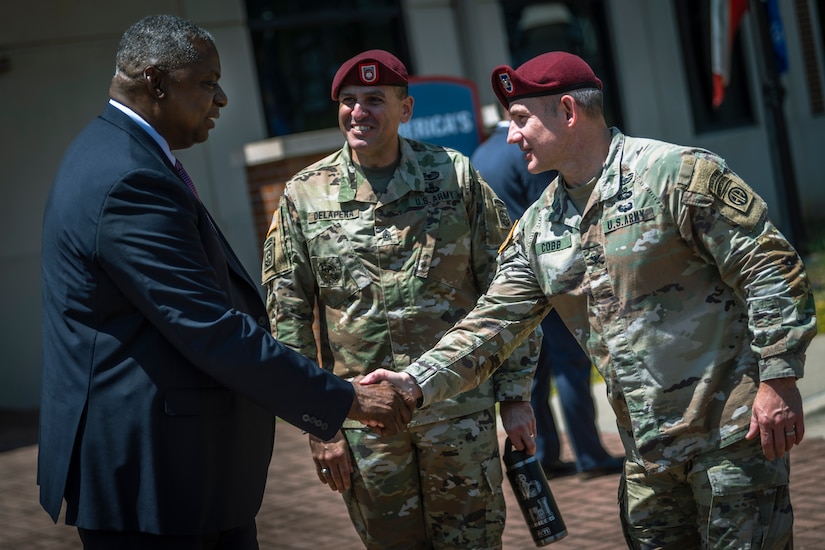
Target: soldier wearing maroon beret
point(395, 239)
point(693, 306)
point(548, 74)
point(370, 68)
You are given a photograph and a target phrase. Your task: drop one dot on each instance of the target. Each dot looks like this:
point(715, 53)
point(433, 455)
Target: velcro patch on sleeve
point(275, 258)
point(734, 199)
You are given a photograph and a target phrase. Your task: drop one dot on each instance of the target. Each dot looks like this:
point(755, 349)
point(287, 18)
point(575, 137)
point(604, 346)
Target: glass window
point(819, 9)
point(693, 21)
point(575, 26)
point(298, 46)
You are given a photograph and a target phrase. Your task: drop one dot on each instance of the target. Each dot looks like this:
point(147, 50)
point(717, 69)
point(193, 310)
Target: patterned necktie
point(186, 179)
point(191, 185)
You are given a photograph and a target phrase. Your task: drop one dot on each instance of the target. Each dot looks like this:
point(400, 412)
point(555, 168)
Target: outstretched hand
point(381, 406)
point(400, 380)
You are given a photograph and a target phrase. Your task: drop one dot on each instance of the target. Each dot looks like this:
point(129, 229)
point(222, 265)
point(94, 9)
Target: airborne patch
point(728, 190)
point(275, 260)
point(735, 200)
point(503, 216)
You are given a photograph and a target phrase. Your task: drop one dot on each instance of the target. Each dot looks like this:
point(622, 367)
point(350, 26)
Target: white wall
point(62, 58)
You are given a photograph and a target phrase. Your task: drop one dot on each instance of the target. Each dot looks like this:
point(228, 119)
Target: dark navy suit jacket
point(161, 380)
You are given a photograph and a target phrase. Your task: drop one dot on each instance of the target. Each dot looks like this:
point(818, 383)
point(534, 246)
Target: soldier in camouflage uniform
point(696, 310)
point(395, 240)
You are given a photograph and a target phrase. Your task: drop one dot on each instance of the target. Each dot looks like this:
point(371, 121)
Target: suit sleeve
point(167, 262)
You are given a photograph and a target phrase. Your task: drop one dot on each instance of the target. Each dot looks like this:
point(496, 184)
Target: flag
point(725, 16)
point(780, 51)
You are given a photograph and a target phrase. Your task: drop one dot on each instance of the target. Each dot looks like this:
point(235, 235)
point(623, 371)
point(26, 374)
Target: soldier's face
point(369, 117)
point(536, 128)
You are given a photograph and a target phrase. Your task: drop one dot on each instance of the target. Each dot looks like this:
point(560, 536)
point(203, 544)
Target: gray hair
point(165, 41)
point(590, 100)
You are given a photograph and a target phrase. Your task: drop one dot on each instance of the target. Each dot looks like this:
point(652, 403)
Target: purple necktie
point(186, 179)
point(191, 185)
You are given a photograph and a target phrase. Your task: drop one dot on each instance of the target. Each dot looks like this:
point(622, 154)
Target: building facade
point(278, 58)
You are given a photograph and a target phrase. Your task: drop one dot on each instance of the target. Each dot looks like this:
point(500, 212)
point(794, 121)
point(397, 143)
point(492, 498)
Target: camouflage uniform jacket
point(391, 273)
point(676, 282)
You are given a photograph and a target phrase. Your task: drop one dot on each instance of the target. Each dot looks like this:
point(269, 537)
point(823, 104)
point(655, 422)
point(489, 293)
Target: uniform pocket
point(446, 246)
point(727, 479)
point(339, 272)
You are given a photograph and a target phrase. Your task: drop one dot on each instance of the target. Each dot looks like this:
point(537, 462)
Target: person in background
point(395, 240)
point(161, 380)
point(695, 308)
point(503, 167)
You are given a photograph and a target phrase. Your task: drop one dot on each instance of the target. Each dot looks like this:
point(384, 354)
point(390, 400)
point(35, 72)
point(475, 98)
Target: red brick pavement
point(299, 513)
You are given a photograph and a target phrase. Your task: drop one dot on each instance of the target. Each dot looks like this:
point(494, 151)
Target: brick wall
point(265, 183)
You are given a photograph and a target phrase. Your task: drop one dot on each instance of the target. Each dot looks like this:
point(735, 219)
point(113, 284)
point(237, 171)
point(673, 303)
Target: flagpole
point(773, 95)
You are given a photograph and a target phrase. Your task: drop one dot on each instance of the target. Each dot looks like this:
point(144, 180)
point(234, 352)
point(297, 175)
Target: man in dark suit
point(161, 381)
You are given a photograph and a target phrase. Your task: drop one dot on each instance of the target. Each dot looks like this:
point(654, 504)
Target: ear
point(407, 108)
point(154, 79)
point(570, 109)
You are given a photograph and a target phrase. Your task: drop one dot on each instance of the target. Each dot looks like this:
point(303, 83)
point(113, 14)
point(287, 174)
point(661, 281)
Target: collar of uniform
point(558, 195)
point(411, 177)
point(610, 181)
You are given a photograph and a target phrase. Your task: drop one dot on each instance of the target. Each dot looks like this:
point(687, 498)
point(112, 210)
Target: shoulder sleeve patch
point(502, 214)
point(734, 199)
point(275, 257)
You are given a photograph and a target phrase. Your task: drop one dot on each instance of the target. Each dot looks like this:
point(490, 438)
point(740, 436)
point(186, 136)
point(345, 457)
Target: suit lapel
point(115, 116)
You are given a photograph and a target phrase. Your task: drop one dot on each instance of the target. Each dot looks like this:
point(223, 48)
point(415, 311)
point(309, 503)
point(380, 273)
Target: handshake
point(384, 400)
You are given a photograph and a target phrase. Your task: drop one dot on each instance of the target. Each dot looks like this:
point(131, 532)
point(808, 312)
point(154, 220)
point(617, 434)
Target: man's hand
point(332, 461)
point(400, 380)
point(777, 416)
point(519, 422)
point(381, 406)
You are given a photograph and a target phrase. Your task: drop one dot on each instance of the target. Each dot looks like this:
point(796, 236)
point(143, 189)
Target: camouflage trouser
point(730, 498)
point(434, 486)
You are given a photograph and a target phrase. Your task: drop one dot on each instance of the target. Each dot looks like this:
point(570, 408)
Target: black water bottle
point(534, 497)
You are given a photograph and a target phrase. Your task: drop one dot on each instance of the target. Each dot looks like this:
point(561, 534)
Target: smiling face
point(192, 99)
point(538, 127)
point(369, 117)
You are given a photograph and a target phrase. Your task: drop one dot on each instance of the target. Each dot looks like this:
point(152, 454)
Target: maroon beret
point(373, 67)
point(547, 74)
